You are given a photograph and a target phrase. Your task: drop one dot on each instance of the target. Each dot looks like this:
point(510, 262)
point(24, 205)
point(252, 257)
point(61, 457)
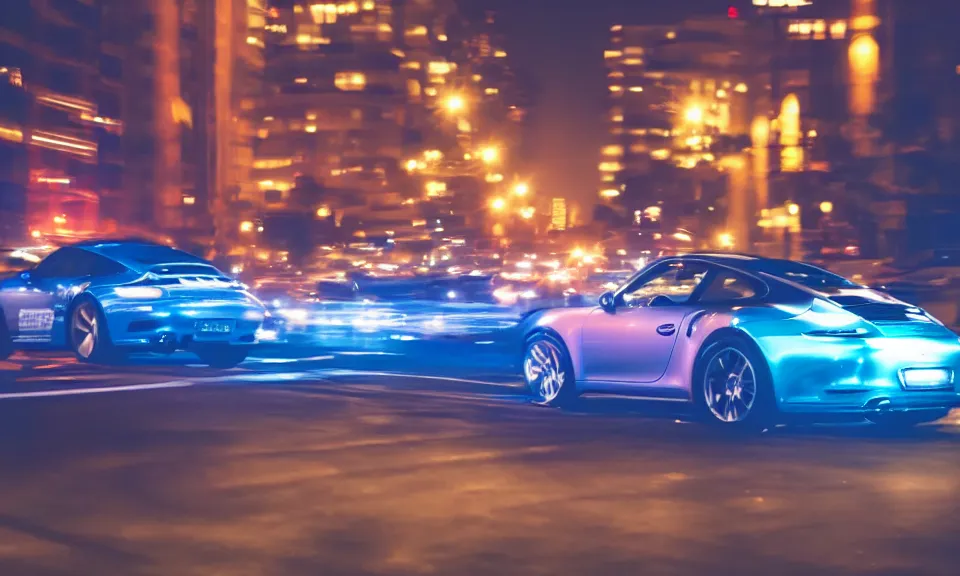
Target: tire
point(222, 356)
point(548, 371)
point(87, 333)
point(732, 387)
point(6, 344)
point(894, 421)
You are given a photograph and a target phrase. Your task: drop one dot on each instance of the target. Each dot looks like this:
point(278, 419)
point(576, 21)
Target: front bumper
point(860, 375)
point(171, 325)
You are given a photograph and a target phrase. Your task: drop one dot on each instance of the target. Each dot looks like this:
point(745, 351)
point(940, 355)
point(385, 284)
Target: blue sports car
point(747, 341)
point(103, 299)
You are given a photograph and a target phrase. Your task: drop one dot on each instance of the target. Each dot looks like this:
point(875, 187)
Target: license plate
point(927, 378)
point(214, 327)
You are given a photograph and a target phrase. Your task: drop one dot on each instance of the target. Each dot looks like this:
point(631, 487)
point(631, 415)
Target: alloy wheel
point(543, 369)
point(730, 385)
point(85, 330)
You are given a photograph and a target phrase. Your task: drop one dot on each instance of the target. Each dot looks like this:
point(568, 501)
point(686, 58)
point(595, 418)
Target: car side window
point(675, 280)
point(727, 286)
point(98, 266)
point(60, 264)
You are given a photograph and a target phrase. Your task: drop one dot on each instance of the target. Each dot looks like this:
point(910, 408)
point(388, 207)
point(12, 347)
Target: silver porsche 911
point(748, 341)
point(102, 299)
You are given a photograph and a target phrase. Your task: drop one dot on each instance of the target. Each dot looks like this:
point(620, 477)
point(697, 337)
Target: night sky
point(560, 43)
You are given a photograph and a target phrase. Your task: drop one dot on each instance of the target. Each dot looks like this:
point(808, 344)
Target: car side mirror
point(608, 302)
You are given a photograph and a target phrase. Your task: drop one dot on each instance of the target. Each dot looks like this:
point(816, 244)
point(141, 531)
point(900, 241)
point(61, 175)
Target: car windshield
point(806, 275)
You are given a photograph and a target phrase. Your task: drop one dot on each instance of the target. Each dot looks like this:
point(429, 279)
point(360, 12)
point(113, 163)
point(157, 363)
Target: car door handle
point(666, 329)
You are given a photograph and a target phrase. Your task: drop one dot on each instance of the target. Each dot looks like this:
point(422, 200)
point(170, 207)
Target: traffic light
point(733, 12)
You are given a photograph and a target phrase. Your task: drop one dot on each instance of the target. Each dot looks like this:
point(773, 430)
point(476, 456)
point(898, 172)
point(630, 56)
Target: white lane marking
point(288, 360)
point(416, 376)
point(101, 390)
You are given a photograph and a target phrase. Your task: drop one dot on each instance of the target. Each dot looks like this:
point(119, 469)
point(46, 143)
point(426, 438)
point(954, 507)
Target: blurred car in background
point(102, 300)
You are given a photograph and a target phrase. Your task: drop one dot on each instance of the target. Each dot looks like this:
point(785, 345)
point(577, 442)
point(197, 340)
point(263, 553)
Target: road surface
point(332, 465)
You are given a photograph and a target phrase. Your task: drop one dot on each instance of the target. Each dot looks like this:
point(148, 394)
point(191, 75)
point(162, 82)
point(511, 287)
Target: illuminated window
point(491, 91)
point(612, 150)
point(416, 31)
point(300, 80)
point(671, 35)
point(633, 61)
point(633, 51)
point(350, 81)
point(617, 118)
point(272, 163)
point(741, 88)
point(610, 167)
point(440, 68)
point(838, 30)
point(615, 74)
point(636, 88)
point(310, 128)
point(609, 193)
point(616, 88)
point(499, 54)
point(369, 5)
point(610, 54)
point(616, 28)
point(661, 154)
point(189, 200)
point(430, 91)
point(411, 65)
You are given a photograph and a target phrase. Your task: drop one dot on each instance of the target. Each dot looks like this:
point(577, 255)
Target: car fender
point(566, 324)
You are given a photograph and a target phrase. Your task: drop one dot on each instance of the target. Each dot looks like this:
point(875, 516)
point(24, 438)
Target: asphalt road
point(331, 465)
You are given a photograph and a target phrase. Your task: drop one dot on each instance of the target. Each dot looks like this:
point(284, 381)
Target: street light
point(490, 154)
point(521, 189)
point(826, 207)
point(455, 103)
point(793, 209)
point(527, 212)
point(246, 226)
point(498, 204)
point(694, 114)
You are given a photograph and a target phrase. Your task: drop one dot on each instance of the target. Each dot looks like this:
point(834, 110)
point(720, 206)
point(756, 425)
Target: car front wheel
point(222, 355)
point(548, 371)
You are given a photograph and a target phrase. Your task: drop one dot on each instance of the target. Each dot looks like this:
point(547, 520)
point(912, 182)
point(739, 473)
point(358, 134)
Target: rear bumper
point(861, 375)
point(173, 325)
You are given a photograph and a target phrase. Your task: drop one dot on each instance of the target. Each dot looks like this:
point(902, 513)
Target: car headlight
point(138, 292)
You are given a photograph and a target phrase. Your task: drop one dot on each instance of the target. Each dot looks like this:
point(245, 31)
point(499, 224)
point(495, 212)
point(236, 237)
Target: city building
point(681, 99)
point(50, 119)
point(383, 119)
point(330, 130)
point(191, 71)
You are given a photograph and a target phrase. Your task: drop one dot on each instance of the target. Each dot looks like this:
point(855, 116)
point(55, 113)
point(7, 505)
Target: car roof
point(140, 255)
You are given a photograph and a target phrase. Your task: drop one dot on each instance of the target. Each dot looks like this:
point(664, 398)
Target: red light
point(732, 12)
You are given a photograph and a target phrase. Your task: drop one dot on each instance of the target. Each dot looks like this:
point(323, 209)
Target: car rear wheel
point(89, 338)
point(548, 371)
point(732, 387)
point(222, 355)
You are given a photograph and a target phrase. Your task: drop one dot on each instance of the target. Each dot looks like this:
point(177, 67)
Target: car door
point(633, 342)
point(30, 302)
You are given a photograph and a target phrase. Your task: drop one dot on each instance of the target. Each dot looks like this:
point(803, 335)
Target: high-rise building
point(49, 117)
point(331, 120)
point(680, 98)
point(191, 71)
